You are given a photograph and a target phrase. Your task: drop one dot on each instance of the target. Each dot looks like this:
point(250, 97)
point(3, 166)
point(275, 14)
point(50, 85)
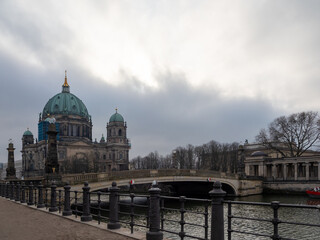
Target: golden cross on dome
point(116, 110)
point(65, 79)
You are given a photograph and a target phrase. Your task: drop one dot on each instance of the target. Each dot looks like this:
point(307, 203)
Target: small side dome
point(116, 117)
point(27, 133)
point(258, 154)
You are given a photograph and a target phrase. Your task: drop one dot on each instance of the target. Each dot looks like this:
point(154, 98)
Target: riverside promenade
point(22, 222)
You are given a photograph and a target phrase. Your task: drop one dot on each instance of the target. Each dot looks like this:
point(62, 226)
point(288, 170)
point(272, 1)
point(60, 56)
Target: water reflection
point(310, 216)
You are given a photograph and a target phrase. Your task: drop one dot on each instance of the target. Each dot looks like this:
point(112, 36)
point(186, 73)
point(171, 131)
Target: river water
point(285, 214)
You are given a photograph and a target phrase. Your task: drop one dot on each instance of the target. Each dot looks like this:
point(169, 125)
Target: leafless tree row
point(211, 156)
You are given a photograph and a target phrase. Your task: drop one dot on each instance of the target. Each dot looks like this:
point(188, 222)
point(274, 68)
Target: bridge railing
point(142, 173)
point(116, 208)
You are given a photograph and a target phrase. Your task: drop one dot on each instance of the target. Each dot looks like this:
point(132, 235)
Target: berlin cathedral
point(76, 151)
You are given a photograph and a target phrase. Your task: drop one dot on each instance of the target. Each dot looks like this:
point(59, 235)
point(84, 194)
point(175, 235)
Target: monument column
point(11, 171)
point(52, 165)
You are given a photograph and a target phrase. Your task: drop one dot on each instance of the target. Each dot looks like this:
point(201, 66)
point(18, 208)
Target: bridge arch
point(182, 185)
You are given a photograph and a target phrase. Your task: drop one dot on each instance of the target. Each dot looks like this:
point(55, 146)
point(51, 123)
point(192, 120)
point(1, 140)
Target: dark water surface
point(285, 214)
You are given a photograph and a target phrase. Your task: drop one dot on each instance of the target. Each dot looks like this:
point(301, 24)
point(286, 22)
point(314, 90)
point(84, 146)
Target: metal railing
point(117, 209)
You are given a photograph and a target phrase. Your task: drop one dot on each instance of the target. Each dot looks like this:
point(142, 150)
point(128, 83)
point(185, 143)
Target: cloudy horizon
point(179, 72)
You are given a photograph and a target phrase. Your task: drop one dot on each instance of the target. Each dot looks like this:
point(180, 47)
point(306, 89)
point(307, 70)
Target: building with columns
point(262, 162)
point(77, 153)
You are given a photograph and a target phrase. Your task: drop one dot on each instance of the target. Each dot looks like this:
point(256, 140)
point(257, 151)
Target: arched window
point(120, 132)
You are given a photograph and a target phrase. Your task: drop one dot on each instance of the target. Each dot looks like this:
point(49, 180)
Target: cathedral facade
point(77, 153)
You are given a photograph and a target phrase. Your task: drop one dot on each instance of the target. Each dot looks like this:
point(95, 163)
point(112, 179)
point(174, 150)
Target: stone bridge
point(231, 183)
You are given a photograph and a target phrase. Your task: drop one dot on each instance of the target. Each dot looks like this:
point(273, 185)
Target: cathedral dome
point(65, 103)
point(116, 117)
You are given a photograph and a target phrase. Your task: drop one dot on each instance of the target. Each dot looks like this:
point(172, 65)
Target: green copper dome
point(27, 133)
point(65, 103)
point(116, 117)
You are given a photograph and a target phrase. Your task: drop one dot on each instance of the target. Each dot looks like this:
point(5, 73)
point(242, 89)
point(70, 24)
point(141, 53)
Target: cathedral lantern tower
point(118, 142)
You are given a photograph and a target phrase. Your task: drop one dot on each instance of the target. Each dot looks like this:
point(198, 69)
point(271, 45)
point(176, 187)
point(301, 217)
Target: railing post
point(275, 220)
point(7, 190)
point(2, 189)
point(154, 232)
point(40, 196)
point(1, 192)
point(30, 202)
point(67, 208)
point(182, 212)
point(113, 203)
point(23, 193)
point(12, 191)
point(217, 220)
point(86, 216)
point(17, 199)
point(53, 200)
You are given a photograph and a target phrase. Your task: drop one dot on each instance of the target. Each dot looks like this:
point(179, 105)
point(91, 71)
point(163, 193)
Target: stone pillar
point(284, 171)
point(260, 170)
point(247, 169)
point(113, 203)
point(11, 171)
point(295, 171)
point(67, 209)
point(52, 165)
point(154, 232)
point(274, 171)
point(53, 202)
point(30, 201)
point(86, 216)
point(17, 192)
point(40, 197)
point(23, 193)
point(318, 170)
point(12, 191)
point(265, 170)
point(217, 219)
point(7, 190)
point(307, 171)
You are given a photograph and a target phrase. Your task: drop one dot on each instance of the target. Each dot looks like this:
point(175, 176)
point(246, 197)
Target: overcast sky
point(178, 71)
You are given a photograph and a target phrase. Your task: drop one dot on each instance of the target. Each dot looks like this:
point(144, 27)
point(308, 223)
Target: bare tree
point(291, 135)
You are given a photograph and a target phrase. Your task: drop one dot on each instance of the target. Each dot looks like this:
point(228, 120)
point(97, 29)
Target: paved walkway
point(20, 222)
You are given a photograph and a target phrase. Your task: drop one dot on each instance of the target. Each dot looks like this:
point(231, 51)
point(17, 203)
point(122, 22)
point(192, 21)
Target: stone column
point(307, 171)
point(295, 171)
point(265, 171)
point(261, 170)
point(274, 171)
point(284, 171)
point(318, 170)
point(247, 169)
